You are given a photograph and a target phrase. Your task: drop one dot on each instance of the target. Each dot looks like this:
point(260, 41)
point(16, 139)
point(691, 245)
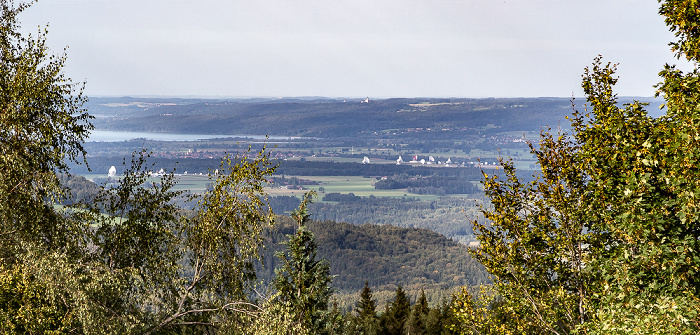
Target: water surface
point(119, 136)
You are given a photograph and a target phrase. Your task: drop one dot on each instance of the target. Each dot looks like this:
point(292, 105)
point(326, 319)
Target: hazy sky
point(339, 48)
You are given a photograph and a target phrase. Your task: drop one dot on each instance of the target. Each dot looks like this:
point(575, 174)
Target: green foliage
point(537, 242)
point(366, 321)
point(682, 17)
point(486, 313)
point(128, 261)
point(146, 268)
point(302, 280)
point(438, 185)
point(644, 183)
point(25, 306)
point(273, 317)
point(366, 307)
point(439, 319)
point(417, 321)
point(225, 235)
point(444, 215)
point(605, 240)
point(137, 228)
point(42, 126)
point(219, 246)
point(336, 322)
point(78, 189)
point(395, 317)
point(384, 256)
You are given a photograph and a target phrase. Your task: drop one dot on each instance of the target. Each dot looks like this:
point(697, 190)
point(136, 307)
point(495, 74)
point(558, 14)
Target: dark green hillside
point(385, 256)
point(334, 118)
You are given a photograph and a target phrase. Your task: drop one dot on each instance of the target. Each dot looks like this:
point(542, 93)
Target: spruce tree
point(417, 323)
point(366, 307)
point(366, 321)
point(397, 313)
point(304, 281)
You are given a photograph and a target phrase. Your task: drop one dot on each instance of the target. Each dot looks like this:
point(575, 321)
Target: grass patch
point(192, 183)
point(360, 186)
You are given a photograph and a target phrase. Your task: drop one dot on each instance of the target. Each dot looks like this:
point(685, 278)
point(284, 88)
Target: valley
point(349, 154)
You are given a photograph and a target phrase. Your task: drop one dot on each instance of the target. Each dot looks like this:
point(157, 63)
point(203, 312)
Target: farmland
point(324, 142)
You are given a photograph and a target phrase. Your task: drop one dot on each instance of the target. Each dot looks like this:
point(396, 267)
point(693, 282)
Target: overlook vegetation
point(603, 239)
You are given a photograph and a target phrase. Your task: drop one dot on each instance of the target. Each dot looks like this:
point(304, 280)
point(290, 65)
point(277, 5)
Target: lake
point(119, 136)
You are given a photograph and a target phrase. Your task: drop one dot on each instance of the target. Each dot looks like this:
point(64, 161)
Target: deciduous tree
point(42, 126)
point(605, 239)
point(537, 241)
point(130, 261)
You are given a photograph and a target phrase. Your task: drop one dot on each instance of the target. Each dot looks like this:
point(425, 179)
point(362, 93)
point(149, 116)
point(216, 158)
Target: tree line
point(288, 168)
point(427, 185)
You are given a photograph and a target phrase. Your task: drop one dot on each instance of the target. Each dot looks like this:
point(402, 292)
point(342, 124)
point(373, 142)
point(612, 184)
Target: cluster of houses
point(431, 161)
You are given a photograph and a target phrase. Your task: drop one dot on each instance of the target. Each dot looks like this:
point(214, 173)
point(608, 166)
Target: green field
point(193, 183)
point(360, 186)
point(92, 176)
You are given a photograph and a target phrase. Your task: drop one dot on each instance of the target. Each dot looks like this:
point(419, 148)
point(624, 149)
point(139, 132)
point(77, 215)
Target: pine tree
point(366, 321)
point(366, 307)
point(336, 321)
point(304, 281)
point(417, 323)
point(433, 323)
point(397, 313)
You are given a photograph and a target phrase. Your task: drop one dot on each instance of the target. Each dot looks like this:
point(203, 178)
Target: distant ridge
point(327, 117)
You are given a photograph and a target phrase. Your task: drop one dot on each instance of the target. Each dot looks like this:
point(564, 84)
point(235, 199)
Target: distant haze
point(397, 48)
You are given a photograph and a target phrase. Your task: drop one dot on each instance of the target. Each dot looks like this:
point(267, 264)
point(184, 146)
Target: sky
point(360, 48)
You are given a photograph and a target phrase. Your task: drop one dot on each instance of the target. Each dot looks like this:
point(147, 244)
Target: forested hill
point(325, 117)
point(385, 256)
